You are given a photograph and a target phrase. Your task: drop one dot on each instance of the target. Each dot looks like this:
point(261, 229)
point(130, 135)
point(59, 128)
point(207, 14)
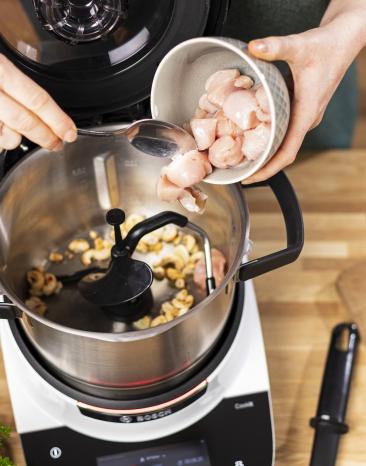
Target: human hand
point(318, 60)
point(27, 110)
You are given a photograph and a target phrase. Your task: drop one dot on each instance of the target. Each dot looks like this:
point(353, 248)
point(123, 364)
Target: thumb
point(275, 48)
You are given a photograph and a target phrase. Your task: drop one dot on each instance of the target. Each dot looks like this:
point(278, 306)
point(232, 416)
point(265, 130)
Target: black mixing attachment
point(124, 288)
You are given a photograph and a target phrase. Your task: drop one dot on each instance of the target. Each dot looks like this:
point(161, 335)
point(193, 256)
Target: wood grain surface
point(300, 304)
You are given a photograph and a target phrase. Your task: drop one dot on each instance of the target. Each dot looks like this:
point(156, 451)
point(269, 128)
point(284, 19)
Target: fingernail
point(59, 146)
point(70, 136)
point(260, 46)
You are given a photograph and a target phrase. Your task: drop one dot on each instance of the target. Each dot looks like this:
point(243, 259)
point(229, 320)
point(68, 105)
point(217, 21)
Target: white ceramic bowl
point(180, 81)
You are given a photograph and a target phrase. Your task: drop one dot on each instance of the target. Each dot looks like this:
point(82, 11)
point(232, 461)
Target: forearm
point(347, 18)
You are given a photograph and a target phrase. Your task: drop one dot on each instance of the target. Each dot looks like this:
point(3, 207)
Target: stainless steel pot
point(48, 199)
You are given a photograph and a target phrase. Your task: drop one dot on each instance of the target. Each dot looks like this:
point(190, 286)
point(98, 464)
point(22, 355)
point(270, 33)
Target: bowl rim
point(225, 42)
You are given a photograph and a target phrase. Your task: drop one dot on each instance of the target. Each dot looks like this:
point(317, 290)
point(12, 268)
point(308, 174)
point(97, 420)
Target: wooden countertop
point(299, 304)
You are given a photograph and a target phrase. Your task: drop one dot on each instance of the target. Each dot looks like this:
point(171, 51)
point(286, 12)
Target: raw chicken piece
point(206, 105)
point(200, 113)
point(255, 141)
point(221, 93)
point(220, 85)
point(262, 99)
point(221, 77)
point(241, 107)
point(245, 82)
point(204, 158)
point(191, 199)
point(263, 116)
point(187, 169)
point(226, 127)
point(218, 265)
point(225, 152)
point(167, 191)
point(204, 131)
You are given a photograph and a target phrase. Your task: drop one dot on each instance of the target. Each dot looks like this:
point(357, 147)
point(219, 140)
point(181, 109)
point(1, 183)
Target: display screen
point(182, 454)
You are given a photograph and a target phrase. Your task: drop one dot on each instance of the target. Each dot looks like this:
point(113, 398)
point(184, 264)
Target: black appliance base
point(238, 432)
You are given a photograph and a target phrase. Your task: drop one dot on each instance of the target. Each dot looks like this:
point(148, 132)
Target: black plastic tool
point(329, 422)
point(124, 288)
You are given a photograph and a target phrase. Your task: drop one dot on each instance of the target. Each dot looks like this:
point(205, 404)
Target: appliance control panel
point(238, 432)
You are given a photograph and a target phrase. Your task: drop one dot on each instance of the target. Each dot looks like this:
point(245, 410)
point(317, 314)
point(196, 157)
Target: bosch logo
point(145, 417)
point(153, 416)
point(126, 419)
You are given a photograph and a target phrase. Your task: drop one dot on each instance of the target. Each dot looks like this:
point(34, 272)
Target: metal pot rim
point(151, 332)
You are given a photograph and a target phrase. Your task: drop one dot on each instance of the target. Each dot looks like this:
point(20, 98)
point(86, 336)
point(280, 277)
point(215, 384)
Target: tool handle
point(337, 378)
point(151, 224)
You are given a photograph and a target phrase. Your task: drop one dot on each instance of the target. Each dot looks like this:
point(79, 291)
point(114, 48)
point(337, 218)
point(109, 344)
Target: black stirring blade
point(124, 288)
point(125, 281)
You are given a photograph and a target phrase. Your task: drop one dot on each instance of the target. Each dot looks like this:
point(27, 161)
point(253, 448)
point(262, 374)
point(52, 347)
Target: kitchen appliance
point(223, 417)
point(98, 57)
point(159, 393)
point(86, 346)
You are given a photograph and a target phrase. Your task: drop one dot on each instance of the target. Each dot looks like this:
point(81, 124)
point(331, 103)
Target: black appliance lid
point(105, 69)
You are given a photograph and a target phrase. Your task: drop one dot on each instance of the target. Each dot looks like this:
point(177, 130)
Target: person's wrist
point(349, 31)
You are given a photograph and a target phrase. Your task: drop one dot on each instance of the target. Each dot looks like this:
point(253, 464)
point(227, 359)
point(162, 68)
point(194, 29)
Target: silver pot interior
point(50, 199)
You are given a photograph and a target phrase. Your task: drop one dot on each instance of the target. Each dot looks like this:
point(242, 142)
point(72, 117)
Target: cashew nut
point(142, 323)
point(36, 304)
point(142, 247)
point(196, 257)
point(178, 238)
point(56, 257)
point(50, 285)
point(182, 252)
point(188, 270)
point(87, 257)
point(93, 234)
point(182, 295)
point(102, 254)
point(173, 274)
point(167, 307)
point(133, 220)
point(169, 233)
point(159, 273)
point(189, 241)
point(180, 283)
point(159, 320)
point(36, 279)
point(172, 260)
point(79, 245)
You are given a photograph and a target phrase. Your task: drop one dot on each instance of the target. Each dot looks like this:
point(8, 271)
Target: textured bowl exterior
point(179, 82)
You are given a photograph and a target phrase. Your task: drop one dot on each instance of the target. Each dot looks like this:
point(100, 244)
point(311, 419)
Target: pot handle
point(8, 310)
point(292, 215)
